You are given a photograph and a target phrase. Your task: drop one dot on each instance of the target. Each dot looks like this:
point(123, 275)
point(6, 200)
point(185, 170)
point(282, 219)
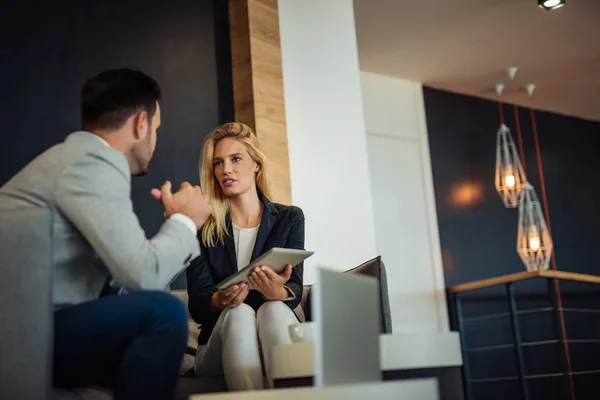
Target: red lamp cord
point(500, 111)
point(547, 214)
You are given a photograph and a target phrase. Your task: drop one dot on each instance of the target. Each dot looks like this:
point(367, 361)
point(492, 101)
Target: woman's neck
point(246, 209)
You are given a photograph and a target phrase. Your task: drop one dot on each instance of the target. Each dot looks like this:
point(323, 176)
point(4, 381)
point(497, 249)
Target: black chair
point(374, 268)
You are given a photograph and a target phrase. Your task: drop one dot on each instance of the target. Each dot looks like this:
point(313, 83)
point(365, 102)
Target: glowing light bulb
point(534, 238)
point(551, 3)
point(509, 180)
point(534, 242)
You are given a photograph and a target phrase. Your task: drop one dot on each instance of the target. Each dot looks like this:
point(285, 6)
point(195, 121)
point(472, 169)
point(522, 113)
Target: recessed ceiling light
point(551, 4)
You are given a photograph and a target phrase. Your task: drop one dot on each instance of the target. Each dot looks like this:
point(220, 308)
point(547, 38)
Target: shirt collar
point(104, 142)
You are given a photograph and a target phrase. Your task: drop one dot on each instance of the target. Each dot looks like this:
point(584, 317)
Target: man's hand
point(188, 200)
point(270, 284)
point(231, 297)
point(156, 193)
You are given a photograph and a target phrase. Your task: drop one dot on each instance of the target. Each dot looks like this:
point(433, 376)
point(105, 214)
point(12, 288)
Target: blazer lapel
point(266, 223)
point(230, 248)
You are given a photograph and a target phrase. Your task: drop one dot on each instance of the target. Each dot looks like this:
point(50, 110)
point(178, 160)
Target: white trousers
point(233, 348)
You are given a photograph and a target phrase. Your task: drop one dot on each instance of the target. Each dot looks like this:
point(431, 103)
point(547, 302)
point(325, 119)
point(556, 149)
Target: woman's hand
point(270, 284)
point(231, 297)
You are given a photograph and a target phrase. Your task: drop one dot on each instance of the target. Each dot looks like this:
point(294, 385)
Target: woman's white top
point(244, 239)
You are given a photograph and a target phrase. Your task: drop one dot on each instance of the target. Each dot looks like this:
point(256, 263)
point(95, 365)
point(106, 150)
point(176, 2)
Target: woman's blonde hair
point(215, 227)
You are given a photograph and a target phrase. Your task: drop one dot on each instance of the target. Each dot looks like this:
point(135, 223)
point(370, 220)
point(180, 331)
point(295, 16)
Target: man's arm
point(93, 193)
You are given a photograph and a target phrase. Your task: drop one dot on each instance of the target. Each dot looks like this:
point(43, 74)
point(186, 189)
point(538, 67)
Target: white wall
point(406, 227)
point(326, 131)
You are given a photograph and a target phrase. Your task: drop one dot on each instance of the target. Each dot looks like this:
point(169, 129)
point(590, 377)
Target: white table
point(397, 352)
point(418, 389)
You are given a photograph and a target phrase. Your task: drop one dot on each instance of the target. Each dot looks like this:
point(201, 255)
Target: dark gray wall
point(50, 48)
point(479, 239)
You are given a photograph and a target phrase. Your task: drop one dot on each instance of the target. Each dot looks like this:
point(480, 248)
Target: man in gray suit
point(133, 343)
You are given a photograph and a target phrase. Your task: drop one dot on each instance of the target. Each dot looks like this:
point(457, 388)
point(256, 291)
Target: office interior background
point(390, 122)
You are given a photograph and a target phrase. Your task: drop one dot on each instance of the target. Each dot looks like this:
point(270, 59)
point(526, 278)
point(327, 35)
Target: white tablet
point(276, 259)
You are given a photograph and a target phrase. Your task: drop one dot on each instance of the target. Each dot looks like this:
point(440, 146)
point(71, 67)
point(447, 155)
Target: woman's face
point(234, 168)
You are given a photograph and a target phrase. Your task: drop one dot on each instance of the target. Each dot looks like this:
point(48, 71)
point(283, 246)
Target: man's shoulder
point(75, 148)
point(34, 184)
point(81, 155)
point(84, 145)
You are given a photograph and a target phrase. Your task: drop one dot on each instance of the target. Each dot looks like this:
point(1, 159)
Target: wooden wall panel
point(258, 84)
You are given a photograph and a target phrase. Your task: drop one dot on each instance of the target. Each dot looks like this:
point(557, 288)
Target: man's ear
point(140, 125)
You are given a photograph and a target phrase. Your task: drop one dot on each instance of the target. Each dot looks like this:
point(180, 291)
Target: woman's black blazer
point(280, 226)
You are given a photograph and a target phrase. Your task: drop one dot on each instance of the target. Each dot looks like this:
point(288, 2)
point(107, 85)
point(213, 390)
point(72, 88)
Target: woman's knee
point(242, 310)
point(241, 315)
point(273, 309)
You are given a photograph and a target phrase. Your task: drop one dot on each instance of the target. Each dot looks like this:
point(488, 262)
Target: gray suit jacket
point(87, 186)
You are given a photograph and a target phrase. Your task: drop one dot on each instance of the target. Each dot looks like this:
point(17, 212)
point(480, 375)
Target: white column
point(326, 131)
point(406, 227)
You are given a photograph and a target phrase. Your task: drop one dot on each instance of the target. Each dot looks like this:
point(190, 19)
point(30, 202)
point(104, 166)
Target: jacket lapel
point(266, 223)
point(230, 248)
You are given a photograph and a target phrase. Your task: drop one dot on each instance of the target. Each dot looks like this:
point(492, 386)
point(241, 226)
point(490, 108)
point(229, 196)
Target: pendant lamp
point(534, 243)
point(510, 177)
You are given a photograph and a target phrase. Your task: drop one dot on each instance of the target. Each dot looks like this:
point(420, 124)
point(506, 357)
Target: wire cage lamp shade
point(510, 177)
point(534, 243)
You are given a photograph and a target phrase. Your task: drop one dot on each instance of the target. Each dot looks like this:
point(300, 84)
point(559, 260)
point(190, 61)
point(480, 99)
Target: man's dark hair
point(111, 97)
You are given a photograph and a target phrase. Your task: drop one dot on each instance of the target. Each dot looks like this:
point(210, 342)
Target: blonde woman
point(238, 324)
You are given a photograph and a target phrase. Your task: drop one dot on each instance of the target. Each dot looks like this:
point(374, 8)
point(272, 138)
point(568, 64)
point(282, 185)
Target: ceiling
point(465, 46)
